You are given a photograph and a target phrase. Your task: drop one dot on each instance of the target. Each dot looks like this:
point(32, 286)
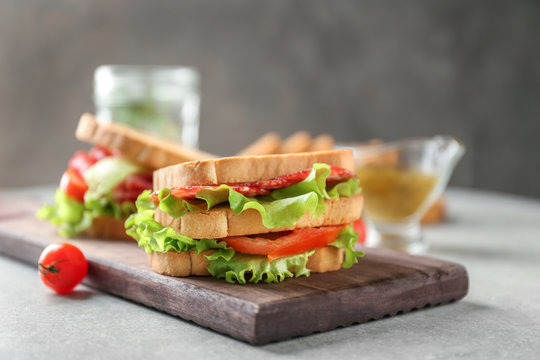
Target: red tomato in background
point(132, 187)
point(81, 161)
point(360, 228)
point(73, 185)
point(291, 243)
point(99, 152)
point(138, 182)
point(62, 266)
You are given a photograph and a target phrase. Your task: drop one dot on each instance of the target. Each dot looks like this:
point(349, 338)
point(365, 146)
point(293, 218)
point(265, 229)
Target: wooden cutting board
point(382, 283)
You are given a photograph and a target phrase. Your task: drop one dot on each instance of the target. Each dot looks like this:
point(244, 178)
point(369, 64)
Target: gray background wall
point(356, 69)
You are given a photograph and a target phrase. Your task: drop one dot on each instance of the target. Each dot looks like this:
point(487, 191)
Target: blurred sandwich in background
point(99, 189)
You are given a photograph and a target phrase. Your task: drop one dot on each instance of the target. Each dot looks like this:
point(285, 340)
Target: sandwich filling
point(263, 187)
point(281, 202)
point(281, 207)
point(96, 183)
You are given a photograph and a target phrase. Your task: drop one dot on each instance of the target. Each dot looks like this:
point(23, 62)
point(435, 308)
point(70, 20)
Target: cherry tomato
point(81, 161)
point(99, 152)
point(62, 266)
point(73, 185)
point(292, 243)
point(360, 228)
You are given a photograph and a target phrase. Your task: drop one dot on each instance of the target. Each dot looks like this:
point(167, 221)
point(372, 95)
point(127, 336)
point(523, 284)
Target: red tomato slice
point(73, 185)
point(99, 152)
point(294, 242)
point(360, 228)
point(262, 187)
point(81, 161)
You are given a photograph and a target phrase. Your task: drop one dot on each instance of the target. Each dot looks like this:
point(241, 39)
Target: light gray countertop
point(496, 237)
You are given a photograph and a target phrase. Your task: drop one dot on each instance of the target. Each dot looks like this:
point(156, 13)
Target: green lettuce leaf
point(67, 213)
point(179, 207)
point(106, 206)
point(258, 267)
point(282, 207)
point(73, 217)
point(105, 174)
point(346, 240)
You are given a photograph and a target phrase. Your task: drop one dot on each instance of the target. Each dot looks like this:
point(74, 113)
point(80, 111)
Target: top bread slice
point(246, 168)
point(140, 147)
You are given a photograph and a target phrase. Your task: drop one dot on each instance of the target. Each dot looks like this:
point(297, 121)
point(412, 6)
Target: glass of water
point(160, 100)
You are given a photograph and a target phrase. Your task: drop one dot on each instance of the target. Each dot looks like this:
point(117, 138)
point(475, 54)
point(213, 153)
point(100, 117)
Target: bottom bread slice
point(107, 227)
point(186, 263)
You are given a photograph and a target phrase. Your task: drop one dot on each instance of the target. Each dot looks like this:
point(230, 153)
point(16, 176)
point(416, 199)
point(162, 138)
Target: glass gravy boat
point(400, 181)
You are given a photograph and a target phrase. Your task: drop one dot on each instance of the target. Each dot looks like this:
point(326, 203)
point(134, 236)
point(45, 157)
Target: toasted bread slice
point(108, 227)
point(322, 142)
point(265, 145)
point(301, 141)
point(221, 221)
point(183, 263)
point(246, 168)
point(186, 263)
point(328, 258)
point(298, 142)
point(145, 149)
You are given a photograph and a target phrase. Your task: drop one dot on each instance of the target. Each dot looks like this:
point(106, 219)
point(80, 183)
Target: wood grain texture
point(382, 283)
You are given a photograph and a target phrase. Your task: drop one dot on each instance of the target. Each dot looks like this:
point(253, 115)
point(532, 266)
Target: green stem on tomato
point(51, 269)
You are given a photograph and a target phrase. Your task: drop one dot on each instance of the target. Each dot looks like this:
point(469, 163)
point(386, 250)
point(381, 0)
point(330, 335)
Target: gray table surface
point(497, 238)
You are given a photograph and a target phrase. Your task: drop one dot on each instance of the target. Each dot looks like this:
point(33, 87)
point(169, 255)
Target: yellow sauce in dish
point(392, 193)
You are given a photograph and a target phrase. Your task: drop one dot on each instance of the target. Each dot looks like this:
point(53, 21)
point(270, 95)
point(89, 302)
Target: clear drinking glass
point(159, 100)
point(400, 181)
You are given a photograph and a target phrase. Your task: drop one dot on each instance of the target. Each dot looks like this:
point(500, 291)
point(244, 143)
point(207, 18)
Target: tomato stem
point(51, 269)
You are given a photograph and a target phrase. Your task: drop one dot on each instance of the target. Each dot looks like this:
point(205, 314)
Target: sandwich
point(99, 189)
point(252, 218)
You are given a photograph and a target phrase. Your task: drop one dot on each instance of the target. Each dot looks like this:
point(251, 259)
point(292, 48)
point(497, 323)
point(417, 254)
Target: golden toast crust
point(135, 145)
